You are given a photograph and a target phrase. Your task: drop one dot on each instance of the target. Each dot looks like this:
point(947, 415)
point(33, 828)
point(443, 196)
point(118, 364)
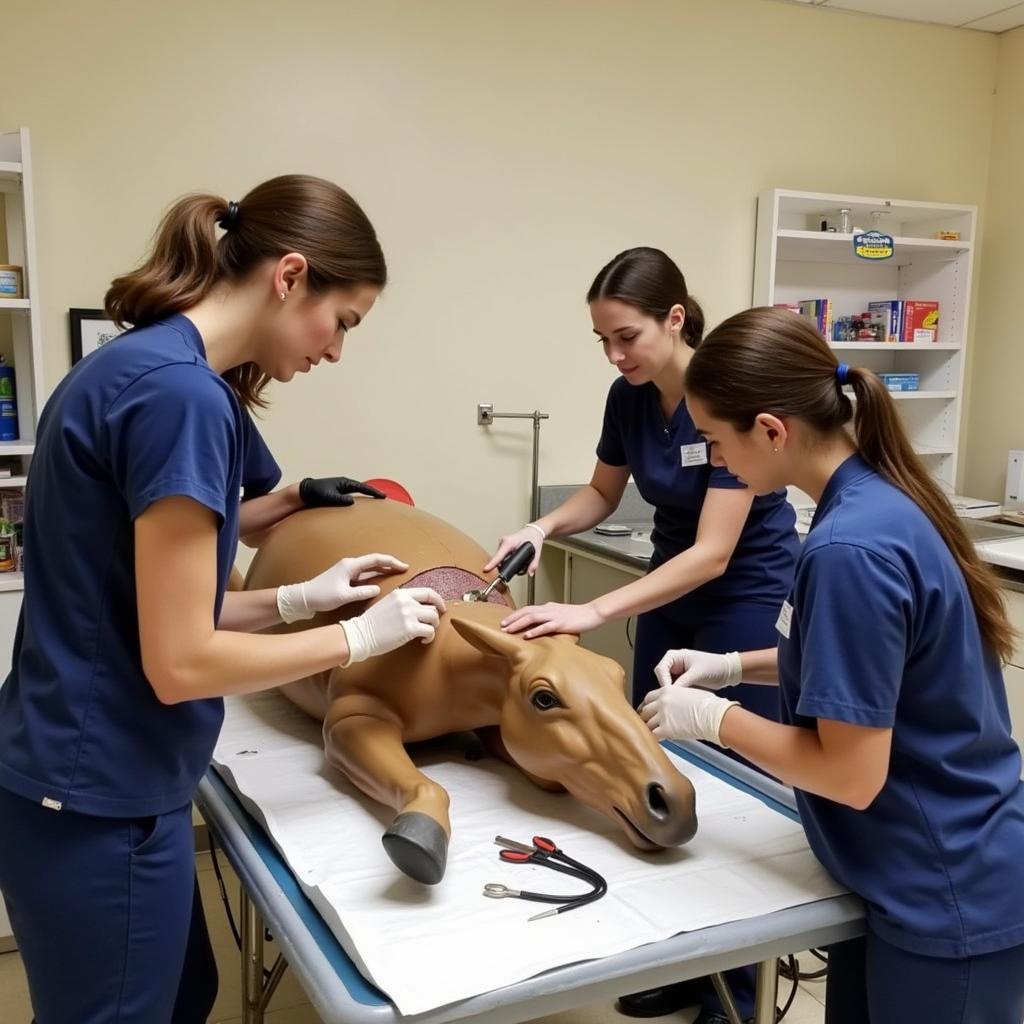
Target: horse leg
point(369, 750)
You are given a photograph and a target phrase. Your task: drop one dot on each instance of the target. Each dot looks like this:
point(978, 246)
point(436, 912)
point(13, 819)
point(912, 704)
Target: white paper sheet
point(426, 946)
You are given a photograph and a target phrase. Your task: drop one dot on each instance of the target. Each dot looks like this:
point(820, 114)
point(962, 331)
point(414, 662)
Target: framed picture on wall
point(90, 329)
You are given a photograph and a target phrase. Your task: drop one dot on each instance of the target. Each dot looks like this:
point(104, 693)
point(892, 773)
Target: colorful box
point(890, 313)
point(900, 381)
point(920, 321)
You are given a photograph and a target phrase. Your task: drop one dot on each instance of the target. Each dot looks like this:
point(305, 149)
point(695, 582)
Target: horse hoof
point(418, 846)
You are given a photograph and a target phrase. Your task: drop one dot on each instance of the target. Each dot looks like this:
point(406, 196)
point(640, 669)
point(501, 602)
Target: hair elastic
point(226, 220)
point(842, 372)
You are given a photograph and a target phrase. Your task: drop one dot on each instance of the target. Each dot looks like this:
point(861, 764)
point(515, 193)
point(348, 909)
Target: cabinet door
point(10, 609)
point(1014, 678)
point(1015, 609)
point(588, 579)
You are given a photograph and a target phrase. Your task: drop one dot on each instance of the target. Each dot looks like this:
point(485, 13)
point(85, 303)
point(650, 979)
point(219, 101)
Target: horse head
point(566, 719)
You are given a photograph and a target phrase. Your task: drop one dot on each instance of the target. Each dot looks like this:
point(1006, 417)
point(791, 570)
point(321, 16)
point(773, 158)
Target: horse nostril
point(656, 802)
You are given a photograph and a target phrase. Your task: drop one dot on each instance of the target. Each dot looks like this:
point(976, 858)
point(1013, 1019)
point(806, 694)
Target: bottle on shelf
point(8, 403)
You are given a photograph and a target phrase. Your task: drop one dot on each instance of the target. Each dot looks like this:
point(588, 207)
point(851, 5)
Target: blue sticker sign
point(873, 245)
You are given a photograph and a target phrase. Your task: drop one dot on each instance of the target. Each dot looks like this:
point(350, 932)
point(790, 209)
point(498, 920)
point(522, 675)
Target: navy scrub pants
point(871, 981)
point(107, 915)
point(736, 626)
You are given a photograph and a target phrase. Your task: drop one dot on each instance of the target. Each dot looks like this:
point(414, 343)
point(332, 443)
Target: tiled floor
point(290, 1006)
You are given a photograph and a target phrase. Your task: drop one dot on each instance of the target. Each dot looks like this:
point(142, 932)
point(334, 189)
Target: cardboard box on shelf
point(920, 321)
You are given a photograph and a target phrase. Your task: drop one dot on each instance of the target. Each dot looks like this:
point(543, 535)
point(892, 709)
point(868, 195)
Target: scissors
point(545, 853)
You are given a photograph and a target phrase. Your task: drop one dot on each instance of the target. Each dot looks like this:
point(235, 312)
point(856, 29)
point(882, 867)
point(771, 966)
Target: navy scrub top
point(669, 463)
point(880, 631)
point(81, 729)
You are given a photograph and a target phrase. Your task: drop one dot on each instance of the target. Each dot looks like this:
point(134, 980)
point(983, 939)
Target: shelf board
point(12, 481)
point(895, 346)
point(831, 247)
point(943, 396)
point(15, 304)
point(16, 448)
point(10, 171)
point(910, 396)
point(12, 581)
point(928, 449)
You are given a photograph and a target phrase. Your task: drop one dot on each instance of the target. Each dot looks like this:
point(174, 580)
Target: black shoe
point(711, 1017)
point(657, 1002)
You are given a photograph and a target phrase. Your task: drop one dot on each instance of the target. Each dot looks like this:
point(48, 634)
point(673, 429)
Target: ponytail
point(768, 360)
point(884, 445)
point(182, 268)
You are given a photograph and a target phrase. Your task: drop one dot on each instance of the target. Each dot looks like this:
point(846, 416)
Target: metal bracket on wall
point(485, 417)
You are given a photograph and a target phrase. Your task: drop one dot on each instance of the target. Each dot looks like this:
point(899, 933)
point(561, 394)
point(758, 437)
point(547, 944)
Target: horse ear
point(489, 640)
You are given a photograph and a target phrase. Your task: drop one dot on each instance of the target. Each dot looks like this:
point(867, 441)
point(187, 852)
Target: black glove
point(327, 491)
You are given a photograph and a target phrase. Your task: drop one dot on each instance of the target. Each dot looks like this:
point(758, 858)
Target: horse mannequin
point(552, 708)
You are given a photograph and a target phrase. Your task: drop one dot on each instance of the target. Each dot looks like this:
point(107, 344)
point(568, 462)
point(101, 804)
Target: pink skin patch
point(451, 583)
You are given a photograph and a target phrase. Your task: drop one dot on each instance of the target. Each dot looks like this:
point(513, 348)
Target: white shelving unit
point(23, 318)
point(794, 260)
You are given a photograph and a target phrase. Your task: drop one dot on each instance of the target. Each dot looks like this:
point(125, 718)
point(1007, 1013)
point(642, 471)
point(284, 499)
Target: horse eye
point(545, 700)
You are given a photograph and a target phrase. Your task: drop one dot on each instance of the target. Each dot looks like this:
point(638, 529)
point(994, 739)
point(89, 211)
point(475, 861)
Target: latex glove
point(544, 619)
point(402, 616)
point(699, 668)
point(328, 491)
point(342, 584)
point(532, 533)
point(685, 713)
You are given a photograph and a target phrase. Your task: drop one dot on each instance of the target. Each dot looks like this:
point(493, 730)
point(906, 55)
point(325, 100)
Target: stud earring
point(284, 295)
point(776, 450)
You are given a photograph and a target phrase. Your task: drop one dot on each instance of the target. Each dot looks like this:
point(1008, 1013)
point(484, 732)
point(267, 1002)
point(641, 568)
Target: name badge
point(785, 619)
point(694, 454)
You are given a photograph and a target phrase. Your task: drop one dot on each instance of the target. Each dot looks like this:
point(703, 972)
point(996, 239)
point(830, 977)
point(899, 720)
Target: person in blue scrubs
point(895, 729)
point(723, 559)
point(127, 641)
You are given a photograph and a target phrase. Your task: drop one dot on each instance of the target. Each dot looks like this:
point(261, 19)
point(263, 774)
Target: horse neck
point(480, 681)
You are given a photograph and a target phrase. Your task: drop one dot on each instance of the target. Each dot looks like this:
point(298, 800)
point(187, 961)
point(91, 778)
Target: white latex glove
point(532, 533)
point(335, 587)
point(685, 713)
point(402, 616)
point(698, 668)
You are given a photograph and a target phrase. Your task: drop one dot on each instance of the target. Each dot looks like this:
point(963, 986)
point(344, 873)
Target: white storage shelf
point(795, 260)
point(23, 317)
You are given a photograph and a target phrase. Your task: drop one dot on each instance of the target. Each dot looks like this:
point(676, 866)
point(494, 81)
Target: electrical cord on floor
point(227, 903)
point(788, 970)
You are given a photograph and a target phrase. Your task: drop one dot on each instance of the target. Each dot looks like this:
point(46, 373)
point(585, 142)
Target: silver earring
point(284, 295)
point(776, 450)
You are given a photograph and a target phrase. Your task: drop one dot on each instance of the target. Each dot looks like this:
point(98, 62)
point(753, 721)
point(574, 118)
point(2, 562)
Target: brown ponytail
point(768, 360)
point(291, 213)
point(649, 280)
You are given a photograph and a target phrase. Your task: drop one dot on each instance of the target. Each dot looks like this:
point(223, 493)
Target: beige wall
point(996, 417)
point(505, 151)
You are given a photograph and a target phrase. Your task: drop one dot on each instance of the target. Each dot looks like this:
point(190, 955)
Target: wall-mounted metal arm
point(485, 416)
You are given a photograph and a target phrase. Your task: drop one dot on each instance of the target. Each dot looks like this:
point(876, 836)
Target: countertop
point(634, 552)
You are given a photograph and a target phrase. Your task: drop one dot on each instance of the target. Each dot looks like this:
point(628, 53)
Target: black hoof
point(418, 846)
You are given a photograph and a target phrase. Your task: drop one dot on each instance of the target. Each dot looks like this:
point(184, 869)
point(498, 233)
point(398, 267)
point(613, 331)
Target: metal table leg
point(255, 993)
point(252, 961)
point(725, 997)
point(766, 994)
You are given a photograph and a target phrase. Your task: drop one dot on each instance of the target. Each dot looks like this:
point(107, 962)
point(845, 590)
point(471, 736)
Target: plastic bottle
point(8, 403)
point(8, 558)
